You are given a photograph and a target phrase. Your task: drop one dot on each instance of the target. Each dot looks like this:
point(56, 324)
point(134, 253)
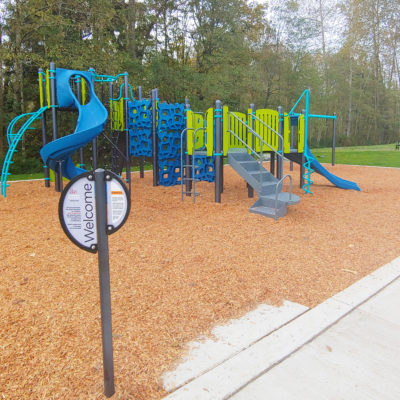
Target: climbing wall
point(204, 168)
point(171, 122)
point(140, 127)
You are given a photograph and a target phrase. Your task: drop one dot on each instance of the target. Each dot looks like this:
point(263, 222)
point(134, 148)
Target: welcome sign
point(77, 209)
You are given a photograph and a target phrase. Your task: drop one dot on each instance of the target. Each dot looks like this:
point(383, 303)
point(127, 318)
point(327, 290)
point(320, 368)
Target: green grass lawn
point(39, 175)
point(381, 155)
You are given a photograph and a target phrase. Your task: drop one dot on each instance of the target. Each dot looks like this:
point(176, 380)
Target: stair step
point(285, 197)
point(263, 210)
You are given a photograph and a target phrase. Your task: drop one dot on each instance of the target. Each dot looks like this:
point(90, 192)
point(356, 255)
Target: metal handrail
point(276, 190)
point(266, 125)
point(255, 134)
point(182, 133)
point(193, 158)
point(193, 161)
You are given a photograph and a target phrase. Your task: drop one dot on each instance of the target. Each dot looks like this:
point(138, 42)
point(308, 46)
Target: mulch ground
point(177, 269)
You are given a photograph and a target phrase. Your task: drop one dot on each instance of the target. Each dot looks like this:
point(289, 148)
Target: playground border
point(230, 377)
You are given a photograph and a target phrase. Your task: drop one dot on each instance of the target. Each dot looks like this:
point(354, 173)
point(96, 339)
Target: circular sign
point(77, 208)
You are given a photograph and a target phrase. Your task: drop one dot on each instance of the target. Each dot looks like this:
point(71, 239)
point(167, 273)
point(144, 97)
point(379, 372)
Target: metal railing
point(276, 191)
point(185, 166)
point(262, 141)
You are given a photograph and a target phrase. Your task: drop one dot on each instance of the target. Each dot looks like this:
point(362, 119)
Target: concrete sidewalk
point(348, 347)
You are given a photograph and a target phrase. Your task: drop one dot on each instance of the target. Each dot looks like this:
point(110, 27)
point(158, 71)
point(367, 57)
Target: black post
point(292, 138)
point(279, 160)
point(141, 158)
point(44, 137)
point(154, 95)
point(188, 161)
point(250, 190)
point(272, 163)
point(334, 140)
point(94, 141)
point(218, 151)
point(126, 120)
point(53, 103)
point(101, 177)
point(79, 97)
point(302, 170)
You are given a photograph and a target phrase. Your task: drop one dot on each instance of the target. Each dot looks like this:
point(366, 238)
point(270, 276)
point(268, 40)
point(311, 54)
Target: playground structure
point(185, 146)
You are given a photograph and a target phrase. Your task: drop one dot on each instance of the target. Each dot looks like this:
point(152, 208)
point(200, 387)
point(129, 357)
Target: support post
point(141, 158)
point(272, 163)
point(218, 151)
point(154, 96)
point(104, 279)
point(44, 134)
point(303, 159)
point(127, 141)
point(79, 97)
point(53, 103)
point(292, 139)
point(94, 141)
point(279, 161)
point(188, 161)
point(334, 140)
point(302, 170)
point(250, 190)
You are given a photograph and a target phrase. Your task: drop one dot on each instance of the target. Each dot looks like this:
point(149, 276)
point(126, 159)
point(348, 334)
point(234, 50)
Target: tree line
point(238, 51)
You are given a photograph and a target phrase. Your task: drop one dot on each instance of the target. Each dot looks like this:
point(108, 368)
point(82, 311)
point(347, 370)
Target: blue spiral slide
point(339, 182)
point(91, 121)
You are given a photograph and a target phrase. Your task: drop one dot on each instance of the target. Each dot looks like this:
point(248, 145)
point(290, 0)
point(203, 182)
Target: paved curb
point(229, 377)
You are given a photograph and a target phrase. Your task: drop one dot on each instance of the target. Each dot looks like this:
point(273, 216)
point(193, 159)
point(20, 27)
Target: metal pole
point(128, 146)
point(44, 137)
point(279, 160)
point(104, 278)
point(272, 163)
point(141, 158)
point(303, 159)
point(188, 161)
point(334, 140)
point(250, 190)
point(292, 139)
point(79, 97)
point(154, 95)
point(53, 103)
point(115, 156)
point(94, 141)
point(218, 151)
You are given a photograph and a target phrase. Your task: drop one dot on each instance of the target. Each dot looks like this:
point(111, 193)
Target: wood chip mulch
point(177, 269)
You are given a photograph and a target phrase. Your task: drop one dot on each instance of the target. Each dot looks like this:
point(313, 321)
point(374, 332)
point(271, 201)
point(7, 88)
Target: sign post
point(92, 206)
point(104, 276)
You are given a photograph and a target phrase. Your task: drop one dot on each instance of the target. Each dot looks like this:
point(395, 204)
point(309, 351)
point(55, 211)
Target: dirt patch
point(177, 269)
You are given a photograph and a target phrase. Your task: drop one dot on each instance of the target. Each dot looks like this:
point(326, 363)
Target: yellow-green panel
point(121, 114)
point(239, 129)
point(300, 135)
point(199, 123)
point(190, 130)
point(48, 88)
point(83, 90)
point(41, 90)
point(286, 135)
point(226, 137)
point(270, 119)
point(210, 132)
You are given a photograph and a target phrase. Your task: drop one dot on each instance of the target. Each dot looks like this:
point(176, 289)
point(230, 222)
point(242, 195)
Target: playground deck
point(176, 270)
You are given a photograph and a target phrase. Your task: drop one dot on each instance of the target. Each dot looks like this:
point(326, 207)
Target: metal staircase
point(272, 201)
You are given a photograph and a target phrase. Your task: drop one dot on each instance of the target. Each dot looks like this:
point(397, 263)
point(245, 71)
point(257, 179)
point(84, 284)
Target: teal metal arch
point(13, 140)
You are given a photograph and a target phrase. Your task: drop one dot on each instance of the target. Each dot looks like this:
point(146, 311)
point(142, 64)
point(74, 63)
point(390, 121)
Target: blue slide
point(339, 182)
point(91, 121)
